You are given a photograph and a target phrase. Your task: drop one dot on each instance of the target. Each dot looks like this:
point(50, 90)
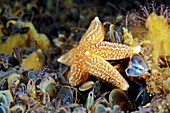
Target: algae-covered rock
point(17, 40)
point(35, 60)
point(41, 39)
point(23, 39)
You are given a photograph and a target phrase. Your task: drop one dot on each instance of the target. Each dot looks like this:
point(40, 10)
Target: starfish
point(89, 57)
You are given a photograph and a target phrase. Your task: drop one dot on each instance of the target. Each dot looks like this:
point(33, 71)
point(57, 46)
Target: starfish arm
point(113, 51)
point(95, 32)
point(77, 75)
point(100, 68)
point(69, 57)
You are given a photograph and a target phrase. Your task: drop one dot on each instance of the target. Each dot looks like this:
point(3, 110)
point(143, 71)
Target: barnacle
point(128, 38)
point(160, 104)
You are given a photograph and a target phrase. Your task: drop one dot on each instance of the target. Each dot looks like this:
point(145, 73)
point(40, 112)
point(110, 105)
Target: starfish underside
point(89, 57)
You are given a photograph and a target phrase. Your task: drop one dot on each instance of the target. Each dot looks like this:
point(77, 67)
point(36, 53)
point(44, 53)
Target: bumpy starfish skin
point(113, 51)
point(97, 66)
point(77, 75)
point(89, 57)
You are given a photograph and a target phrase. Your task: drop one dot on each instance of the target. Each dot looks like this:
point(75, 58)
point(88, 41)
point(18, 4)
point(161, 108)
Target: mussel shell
point(143, 97)
point(43, 71)
point(31, 74)
point(90, 100)
point(79, 110)
point(17, 109)
point(97, 88)
point(4, 109)
point(100, 109)
point(119, 97)
point(64, 110)
point(45, 98)
point(14, 79)
point(22, 87)
point(4, 100)
point(102, 101)
point(48, 86)
point(73, 106)
point(137, 66)
point(116, 109)
point(4, 84)
point(65, 94)
point(32, 110)
point(24, 97)
point(37, 80)
point(99, 105)
point(8, 61)
point(6, 97)
point(33, 102)
point(86, 86)
point(31, 88)
point(43, 109)
point(18, 54)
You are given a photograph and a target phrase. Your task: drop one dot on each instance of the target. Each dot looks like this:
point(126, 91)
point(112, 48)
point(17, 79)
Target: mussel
point(100, 109)
point(101, 105)
point(65, 95)
point(46, 98)
point(4, 84)
point(31, 88)
point(14, 80)
point(90, 100)
point(87, 85)
point(17, 109)
point(64, 110)
point(6, 97)
point(48, 86)
point(119, 97)
point(7, 60)
point(4, 109)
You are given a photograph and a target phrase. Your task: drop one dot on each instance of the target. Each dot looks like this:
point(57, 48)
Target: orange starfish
point(89, 57)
